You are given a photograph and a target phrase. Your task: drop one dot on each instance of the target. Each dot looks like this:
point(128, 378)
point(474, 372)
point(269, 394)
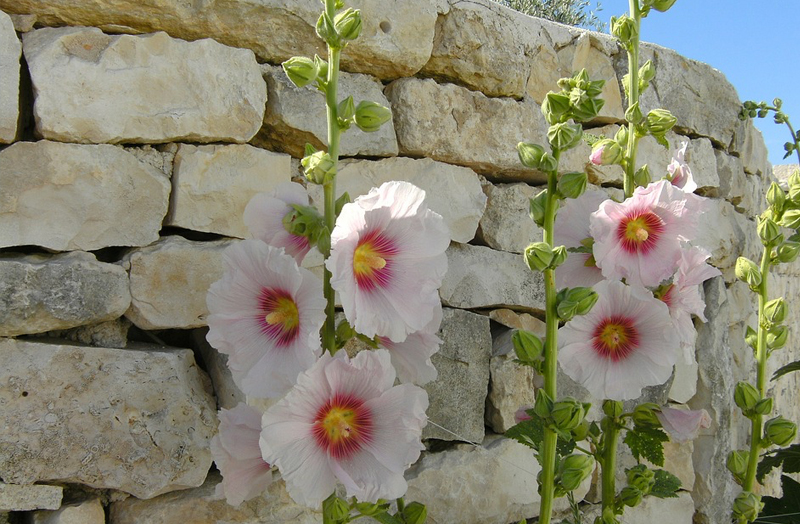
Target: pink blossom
point(264, 216)
point(412, 357)
point(572, 231)
point(237, 455)
point(626, 342)
point(680, 173)
point(265, 313)
point(683, 425)
point(521, 415)
point(345, 421)
point(388, 261)
point(596, 157)
point(640, 239)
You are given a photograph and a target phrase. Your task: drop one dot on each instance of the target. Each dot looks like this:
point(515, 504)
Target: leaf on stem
point(788, 368)
point(666, 485)
point(647, 443)
point(787, 458)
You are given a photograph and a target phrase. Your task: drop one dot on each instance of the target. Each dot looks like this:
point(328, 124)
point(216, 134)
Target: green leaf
point(785, 510)
point(788, 458)
point(788, 368)
point(666, 485)
point(528, 432)
point(385, 518)
point(647, 443)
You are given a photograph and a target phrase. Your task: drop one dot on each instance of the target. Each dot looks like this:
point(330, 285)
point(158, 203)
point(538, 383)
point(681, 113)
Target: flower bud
point(560, 254)
point(751, 337)
point(548, 163)
point(346, 109)
point(337, 508)
point(300, 70)
point(537, 207)
point(737, 463)
point(318, 167)
point(631, 496)
point(769, 232)
point(747, 506)
point(572, 185)
point(621, 136)
point(647, 72)
point(624, 28)
point(746, 397)
point(788, 251)
point(791, 218)
point(538, 256)
point(415, 513)
point(662, 5)
point(644, 415)
point(794, 179)
point(348, 24)
point(368, 508)
point(775, 310)
point(574, 470)
point(777, 336)
point(302, 221)
point(641, 478)
point(564, 135)
point(606, 152)
point(576, 301)
point(659, 121)
point(581, 432)
point(587, 109)
point(612, 408)
point(634, 114)
point(527, 346)
point(530, 154)
point(776, 197)
point(780, 431)
point(327, 31)
point(370, 116)
point(555, 107)
point(568, 414)
point(747, 271)
point(642, 176)
point(543, 405)
point(763, 406)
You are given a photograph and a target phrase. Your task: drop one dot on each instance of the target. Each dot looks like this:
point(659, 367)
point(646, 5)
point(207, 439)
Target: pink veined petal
point(571, 228)
point(264, 215)
point(683, 424)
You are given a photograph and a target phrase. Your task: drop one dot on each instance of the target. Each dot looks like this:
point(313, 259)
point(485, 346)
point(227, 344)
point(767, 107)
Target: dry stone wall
point(132, 135)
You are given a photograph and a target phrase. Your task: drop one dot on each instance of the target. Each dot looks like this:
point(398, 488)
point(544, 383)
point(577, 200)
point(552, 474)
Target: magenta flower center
point(639, 231)
point(665, 294)
point(615, 338)
point(372, 261)
point(280, 319)
point(342, 426)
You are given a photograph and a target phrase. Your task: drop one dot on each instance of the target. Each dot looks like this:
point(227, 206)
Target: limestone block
point(515, 320)
point(40, 293)
point(87, 512)
point(749, 143)
point(160, 157)
point(134, 420)
point(202, 506)
point(458, 126)
point(216, 365)
point(110, 334)
point(212, 184)
point(452, 191)
point(28, 497)
point(396, 39)
point(10, 52)
point(169, 282)
point(78, 197)
point(490, 484)
point(699, 96)
point(511, 388)
point(684, 382)
point(457, 396)
point(505, 225)
point(479, 277)
point(783, 172)
point(678, 510)
point(23, 23)
point(161, 89)
point(296, 116)
point(732, 178)
point(727, 234)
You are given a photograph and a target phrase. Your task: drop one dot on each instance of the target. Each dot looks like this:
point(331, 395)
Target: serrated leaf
point(788, 368)
point(647, 443)
point(788, 458)
point(531, 433)
point(666, 485)
point(785, 510)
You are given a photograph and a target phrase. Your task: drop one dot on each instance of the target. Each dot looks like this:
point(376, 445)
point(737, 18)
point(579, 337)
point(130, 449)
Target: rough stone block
point(78, 197)
point(511, 388)
point(87, 512)
point(216, 365)
point(10, 52)
point(505, 225)
point(28, 497)
point(39, 293)
point(134, 420)
point(161, 89)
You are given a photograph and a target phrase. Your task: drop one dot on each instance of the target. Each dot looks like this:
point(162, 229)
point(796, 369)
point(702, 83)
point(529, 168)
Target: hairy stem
point(609, 465)
point(633, 97)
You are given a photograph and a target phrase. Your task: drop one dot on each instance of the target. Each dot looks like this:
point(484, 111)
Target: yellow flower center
point(636, 230)
point(284, 314)
point(366, 260)
point(339, 424)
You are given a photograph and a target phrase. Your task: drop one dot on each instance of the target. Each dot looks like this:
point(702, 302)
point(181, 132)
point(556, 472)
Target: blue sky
point(753, 43)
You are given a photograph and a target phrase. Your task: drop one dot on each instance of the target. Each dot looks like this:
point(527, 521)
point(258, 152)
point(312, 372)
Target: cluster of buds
point(751, 109)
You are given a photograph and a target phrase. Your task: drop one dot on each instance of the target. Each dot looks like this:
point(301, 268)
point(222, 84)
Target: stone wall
point(134, 133)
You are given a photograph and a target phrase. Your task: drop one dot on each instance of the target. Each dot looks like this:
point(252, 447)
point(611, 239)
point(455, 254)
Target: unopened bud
point(631, 496)
point(641, 177)
point(621, 136)
point(647, 72)
point(659, 121)
point(346, 109)
point(775, 311)
point(564, 135)
point(737, 463)
point(530, 154)
point(612, 408)
point(776, 197)
point(791, 218)
point(769, 232)
point(543, 405)
point(751, 337)
point(641, 478)
point(662, 5)
point(746, 397)
point(572, 185)
point(763, 406)
point(624, 28)
point(747, 271)
point(777, 336)
point(555, 107)
point(747, 505)
point(575, 469)
point(300, 70)
point(348, 24)
point(318, 167)
point(370, 116)
point(337, 508)
point(567, 414)
point(634, 114)
point(538, 256)
point(576, 301)
point(780, 431)
point(527, 346)
point(606, 152)
point(788, 251)
point(537, 207)
point(560, 254)
point(327, 31)
point(644, 415)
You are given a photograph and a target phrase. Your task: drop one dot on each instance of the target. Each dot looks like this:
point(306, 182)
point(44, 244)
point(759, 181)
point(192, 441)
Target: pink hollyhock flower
point(238, 456)
point(572, 230)
point(412, 357)
point(679, 171)
point(640, 239)
point(683, 297)
point(626, 342)
point(683, 425)
point(264, 216)
point(345, 421)
point(521, 415)
point(265, 313)
point(596, 157)
point(388, 260)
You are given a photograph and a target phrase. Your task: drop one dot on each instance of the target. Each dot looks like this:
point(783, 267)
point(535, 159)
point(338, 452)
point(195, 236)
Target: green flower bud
point(769, 232)
point(574, 469)
point(747, 505)
point(324, 240)
point(624, 28)
point(527, 346)
point(777, 336)
point(370, 116)
point(662, 5)
point(608, 517)
point(568, 414)
point(327, 31)
point(537, 207)
point(788, 251)
point(318, 167)
point(336, 507)
point(791, 217)
point(300, 70)
point(368, 508)
point(794, 179)
point(606, 152)
point(644, 415)
point(348, 24)
point(559, 256)
point(572, 185)
point(746, 397)
point(612, 408)
point(346, 110)
point(775, 310)
point(587, 109)
point(763, 406)
point(555, 107)
point(415, 513)
point(621, 136)
point(634, 114)
point(538, 256)
point(303, 221)
point(751, 337)
point(564, 135)
point(646, 74)
point(780, 431)
point(659, 121)
point(737, 463)
point(776, 197)
point(641, 478)
point(530, 154)
point(631, 496)
point(543, 405)
point(747, 271)
point(576, 301)
point(548, 163)
point(322, 67)
point(642, 176)
point(581, 432)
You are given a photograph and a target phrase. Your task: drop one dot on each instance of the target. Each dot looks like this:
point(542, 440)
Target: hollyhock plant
point(680, 175)
point(265, 313)
point(683, 425)
point(265, 213)
point(572, 230)
point(412, 357)
point(626, 342)
point(345, 421)
point(237, 455)
point(388, 260)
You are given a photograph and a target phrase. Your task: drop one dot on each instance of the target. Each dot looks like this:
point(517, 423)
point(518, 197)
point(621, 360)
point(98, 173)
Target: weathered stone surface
point(511, 388)
point(732, 178)
point(678, 510)
point(27, 497)
point(212, 184)
point(88, 512)
point(515, 320)
point(111, 334)
point(684, 382)
point(23, 23)
point(216, 365)
point(452, 191)
point(783, 171)
point(458, 395)
point(727, 234)
point(10, 52)
point(296, 116)
point(134, 420)
point(275, 31)
point(160, 157)
point(202, 506)
point(78, 197)
point(480, 277)
point(506, 225)
point(455, 125)
point(169, 282)
point(491, 484)
point(39, 293)
point(749, 143)
point(169, 91)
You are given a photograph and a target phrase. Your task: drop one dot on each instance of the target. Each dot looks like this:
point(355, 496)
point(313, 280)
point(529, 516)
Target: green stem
point(548, 454)
point(608, 465)
point(633, 97)
point(794, 139)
